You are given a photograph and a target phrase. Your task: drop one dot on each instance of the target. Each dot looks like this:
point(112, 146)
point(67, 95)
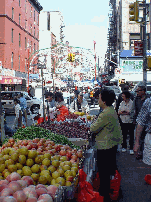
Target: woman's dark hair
point(58, 95)
point(49, 94)
point(126, 93)
point(108, 96)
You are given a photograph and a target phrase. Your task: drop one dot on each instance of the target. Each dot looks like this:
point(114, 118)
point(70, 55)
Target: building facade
point(19, 35)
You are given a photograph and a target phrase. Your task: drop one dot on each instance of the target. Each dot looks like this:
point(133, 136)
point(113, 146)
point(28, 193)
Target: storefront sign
point(10, 80)
point(132, 66)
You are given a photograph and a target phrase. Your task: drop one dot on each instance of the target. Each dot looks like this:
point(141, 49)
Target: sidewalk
point(133, 185)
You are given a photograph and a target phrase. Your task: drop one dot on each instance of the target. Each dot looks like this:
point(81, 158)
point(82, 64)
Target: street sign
point(138, 48)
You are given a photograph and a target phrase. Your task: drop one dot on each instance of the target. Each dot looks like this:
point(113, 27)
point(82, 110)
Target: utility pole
point(98, 67)
point(144, 44)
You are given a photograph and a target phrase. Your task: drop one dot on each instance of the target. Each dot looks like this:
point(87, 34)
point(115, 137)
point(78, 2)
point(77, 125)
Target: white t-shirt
point(126, 107)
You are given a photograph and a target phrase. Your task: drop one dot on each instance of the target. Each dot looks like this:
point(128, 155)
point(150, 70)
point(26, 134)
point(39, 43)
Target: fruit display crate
point(68, 192)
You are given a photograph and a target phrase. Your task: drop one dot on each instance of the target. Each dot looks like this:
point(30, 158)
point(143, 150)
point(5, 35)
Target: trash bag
point(63, 113)
point(86, 193)
point(115, 185)
point(148, 178)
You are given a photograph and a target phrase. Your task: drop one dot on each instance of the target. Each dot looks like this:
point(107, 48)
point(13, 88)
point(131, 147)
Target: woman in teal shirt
point(108, 135)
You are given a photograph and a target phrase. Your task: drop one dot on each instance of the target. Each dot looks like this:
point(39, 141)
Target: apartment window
point(31, 46)
point(19, 40)
point(31, 12)
point(25, 43)
point(19, 3)
point(31, 28)
point(12, 13)
point(25, 24)
point(19, 62)
point(19, 18)
point(37, 19)
point(34, 31)
point(34, 47)
point(12, 60)
point(12, 35)
point(25, 64)
point(25, 8)
point(34, 15)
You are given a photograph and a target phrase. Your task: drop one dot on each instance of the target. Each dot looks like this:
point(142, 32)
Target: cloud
point(98, 19)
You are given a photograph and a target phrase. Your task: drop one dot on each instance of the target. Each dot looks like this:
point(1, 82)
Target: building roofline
point(36, 4)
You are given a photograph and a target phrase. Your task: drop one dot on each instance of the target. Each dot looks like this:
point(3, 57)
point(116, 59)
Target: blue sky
point(85, 21)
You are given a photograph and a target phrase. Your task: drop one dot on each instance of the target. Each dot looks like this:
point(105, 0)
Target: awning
point(10, 80)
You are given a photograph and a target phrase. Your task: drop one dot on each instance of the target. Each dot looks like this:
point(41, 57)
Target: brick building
point(19, 35)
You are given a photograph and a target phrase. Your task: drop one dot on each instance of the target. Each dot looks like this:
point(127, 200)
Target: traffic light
point(149, 62)
point(73, 57)
point(69, 58)
point(134, 11)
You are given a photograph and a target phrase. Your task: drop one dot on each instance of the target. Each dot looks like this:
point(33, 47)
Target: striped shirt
point(144, 116)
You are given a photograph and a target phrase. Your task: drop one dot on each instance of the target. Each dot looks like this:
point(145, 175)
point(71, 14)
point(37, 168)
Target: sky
point(85, 21)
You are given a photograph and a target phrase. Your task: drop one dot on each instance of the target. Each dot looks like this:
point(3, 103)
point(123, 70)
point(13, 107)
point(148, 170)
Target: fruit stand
point(40, 157)
point(45, 157)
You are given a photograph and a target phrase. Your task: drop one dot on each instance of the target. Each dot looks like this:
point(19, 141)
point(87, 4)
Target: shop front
point(10, 81)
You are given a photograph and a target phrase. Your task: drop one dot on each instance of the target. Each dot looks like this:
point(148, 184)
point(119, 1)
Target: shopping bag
point(148, 178)
point(115, 185)
point(86, 193)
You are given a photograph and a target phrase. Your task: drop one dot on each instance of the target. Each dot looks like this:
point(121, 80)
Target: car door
point(7, 101)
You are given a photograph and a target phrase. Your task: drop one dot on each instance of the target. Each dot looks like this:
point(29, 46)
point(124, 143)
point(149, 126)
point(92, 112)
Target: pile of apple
point(17, 189)
point(44, 161)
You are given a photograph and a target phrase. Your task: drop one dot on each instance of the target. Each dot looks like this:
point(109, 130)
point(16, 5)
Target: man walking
point(23, 105)
point(144, 119)
point(137, 105)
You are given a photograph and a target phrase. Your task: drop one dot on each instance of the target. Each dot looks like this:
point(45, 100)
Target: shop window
point(12, 13)
point(19, 40)
point(19, 62)
point(19, 18)
point(12, 60)
point(12, 35)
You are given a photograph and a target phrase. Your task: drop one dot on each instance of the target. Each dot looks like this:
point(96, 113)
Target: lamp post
point(95, 59)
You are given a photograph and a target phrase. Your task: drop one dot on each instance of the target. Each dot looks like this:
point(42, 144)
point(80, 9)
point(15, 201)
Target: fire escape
point(111, 55)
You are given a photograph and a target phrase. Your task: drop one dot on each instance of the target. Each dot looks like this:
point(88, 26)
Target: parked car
point(7, 99)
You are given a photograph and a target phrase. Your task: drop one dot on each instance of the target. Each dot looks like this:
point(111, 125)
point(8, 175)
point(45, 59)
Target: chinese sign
point(132, 66)
point(138, 48)
point(10, 80)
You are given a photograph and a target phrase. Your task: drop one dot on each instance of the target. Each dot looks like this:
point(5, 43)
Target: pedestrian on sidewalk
point(127, 125)
point(144, 119)
point(17, 110)
point(23, 105)
point(137, 104)
point(107, 132)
